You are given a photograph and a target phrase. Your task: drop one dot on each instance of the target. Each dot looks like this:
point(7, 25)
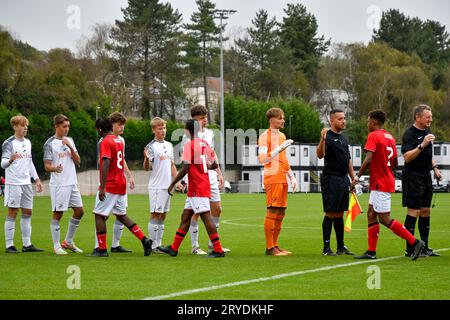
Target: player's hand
point(286, 144)
point(14, 156)
point(354, 183)
point(146, 153)
point(66, 142)
point(428, 138)
point(293, 184)
point(101, 194)
point(131, 182)
point(323, 133)
point(169, 190)
point(38, 186)
point(179, 187)
point(59, 168)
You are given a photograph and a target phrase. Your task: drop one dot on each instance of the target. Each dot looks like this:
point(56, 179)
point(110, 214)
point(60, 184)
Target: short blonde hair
point(274, 113)
point(157, 121)
point(19, 120)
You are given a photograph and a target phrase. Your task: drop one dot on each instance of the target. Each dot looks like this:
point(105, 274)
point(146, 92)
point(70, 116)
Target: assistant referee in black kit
point(417, 149)
point(334, 181)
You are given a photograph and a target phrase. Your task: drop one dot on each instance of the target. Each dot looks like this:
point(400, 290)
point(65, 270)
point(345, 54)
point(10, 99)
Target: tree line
point(143, 63)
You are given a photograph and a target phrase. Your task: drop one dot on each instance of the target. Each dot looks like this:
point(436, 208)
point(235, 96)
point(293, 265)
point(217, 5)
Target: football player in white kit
point(60, 158)
point(158, 157)
point(200, 113)
point(19, 169)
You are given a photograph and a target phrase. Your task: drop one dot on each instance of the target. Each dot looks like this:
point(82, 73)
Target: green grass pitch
point(133, 276)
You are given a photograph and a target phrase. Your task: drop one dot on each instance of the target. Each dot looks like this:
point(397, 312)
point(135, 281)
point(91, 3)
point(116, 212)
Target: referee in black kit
point(417, 149)
point(334, 181)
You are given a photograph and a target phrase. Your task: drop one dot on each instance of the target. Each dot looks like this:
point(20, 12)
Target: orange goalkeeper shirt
point(276, 169)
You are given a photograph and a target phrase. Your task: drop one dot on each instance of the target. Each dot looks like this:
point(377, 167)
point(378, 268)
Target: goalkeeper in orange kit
point(272, 145)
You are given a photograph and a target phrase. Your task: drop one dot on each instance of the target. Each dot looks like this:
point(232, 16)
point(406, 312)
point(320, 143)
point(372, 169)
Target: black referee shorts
point(417, 189)
point(335, 193)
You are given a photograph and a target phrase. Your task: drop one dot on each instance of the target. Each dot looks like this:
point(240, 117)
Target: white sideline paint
point(275, 277)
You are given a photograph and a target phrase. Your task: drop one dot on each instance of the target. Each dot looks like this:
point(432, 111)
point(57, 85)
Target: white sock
point(55, 230)
point(193, 231)
point(10, 227)
point(73, 225)
point(25, 228)
point(160, 234)
point(118, 230)
point(216, 222)
point(153, 232)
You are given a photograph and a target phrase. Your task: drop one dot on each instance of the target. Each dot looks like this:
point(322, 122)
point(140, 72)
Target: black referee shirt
point(411, 139)
point(337, 154)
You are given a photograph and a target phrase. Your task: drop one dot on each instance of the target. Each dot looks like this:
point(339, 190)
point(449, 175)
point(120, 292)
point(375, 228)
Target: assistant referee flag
point(354, 209)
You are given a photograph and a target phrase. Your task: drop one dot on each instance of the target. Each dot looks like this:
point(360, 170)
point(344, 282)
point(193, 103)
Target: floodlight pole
point(222, 15)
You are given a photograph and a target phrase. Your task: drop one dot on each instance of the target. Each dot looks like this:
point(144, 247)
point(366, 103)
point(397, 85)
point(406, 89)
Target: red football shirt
point(198, 154)
point(111, 147)
point(382, 144)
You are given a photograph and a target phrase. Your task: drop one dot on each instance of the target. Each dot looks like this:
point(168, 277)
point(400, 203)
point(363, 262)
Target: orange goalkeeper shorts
point(276, 195)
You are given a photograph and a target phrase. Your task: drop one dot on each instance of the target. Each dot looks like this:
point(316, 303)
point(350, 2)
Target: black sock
point(410, 225)
point(327, 225)
point(424, 229)
point(339, 230)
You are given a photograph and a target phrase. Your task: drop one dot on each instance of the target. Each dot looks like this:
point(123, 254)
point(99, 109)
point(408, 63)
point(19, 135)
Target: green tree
point(201, 47)
point(144, 43)
point(427, 39)
point(9, 65)
point(298, 32)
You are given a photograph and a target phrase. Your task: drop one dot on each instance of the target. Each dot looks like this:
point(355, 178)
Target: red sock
point(137, 232)
point(101, 238)
point(179, 237)
point(373, 231)
point(401, 231)
point(216, 242)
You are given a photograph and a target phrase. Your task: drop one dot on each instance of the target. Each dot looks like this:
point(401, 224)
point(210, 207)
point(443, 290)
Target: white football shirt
point(21, 170)
point(59, 154)
point(161, 156)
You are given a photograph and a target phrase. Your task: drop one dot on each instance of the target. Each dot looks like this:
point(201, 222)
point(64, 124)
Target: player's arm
point(8, 156)
point(321, 147)
point(213, 164)
point(183, 171)
point(34, 175)
point(220, 176)
point(51, 168)
point(265, 156)
point(128, 174)
point(437, 173)
point(351, 172)
point(363, 168)
point(73, 152)
point(411, 155)
point(147, 160)
point(103, 174)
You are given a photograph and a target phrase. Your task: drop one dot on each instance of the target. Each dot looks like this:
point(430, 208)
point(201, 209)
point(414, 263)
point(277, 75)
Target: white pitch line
point(275, 277)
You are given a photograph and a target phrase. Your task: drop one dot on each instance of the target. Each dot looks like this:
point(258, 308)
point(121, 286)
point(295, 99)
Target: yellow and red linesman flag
point(354, 209)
